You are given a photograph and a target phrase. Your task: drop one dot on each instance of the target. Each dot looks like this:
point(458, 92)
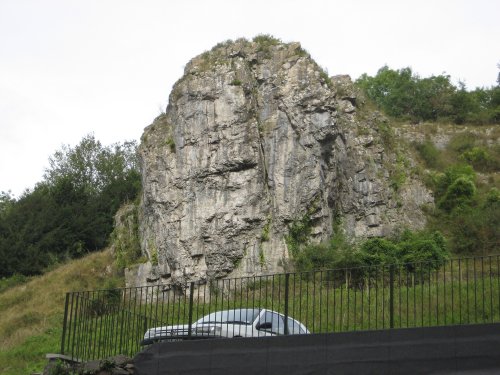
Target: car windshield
point(237, 316)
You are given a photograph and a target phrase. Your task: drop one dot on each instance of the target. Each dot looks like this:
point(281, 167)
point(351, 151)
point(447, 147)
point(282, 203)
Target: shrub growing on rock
point(459, 193)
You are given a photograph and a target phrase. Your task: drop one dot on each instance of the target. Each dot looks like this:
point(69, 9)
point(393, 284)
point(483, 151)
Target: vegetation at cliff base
point(70, 213)
point(407, 247)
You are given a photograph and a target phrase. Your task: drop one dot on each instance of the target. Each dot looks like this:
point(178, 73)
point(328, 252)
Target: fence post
point(63, 339)
point(191, 293)
point(287, 283)
point(391, 295)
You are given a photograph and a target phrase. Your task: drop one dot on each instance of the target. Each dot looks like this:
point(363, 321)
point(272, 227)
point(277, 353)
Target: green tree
point(403, 94)
point(391, 90)
point(91, 165)
point(6, 202)
point(464, 105)
point(71, 212)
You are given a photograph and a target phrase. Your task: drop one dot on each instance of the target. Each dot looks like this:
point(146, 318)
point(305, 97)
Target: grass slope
point(31, 314)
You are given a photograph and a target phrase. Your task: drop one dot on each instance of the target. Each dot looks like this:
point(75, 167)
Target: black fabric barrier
point(472, 349)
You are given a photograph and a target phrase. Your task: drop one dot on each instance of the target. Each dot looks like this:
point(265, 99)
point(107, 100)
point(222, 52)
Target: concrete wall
point(473, 349)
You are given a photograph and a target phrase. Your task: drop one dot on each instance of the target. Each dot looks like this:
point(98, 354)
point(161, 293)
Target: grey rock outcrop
point(256, 136)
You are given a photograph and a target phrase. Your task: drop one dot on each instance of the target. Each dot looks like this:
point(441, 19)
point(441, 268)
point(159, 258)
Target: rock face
point(256, 136)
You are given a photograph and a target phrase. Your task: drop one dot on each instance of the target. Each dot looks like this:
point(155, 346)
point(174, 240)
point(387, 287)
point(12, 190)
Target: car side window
point(294, 327)
point(272, 322)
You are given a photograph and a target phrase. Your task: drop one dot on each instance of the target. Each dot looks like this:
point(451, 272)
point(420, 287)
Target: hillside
point(261, 163)
point(31, 313)
point(461, 165)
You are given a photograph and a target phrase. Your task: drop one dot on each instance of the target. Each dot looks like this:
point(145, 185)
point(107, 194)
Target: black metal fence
point(99, 324)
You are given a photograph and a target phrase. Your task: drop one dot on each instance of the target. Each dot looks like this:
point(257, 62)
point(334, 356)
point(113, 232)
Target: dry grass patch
point(31, 314)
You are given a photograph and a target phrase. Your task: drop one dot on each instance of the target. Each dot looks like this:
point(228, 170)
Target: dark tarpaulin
point(472, 349)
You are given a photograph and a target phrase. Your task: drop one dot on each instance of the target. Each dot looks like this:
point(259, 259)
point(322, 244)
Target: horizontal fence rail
point(99, 324)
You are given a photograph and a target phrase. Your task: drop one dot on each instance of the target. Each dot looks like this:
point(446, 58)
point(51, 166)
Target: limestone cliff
point(255, 136)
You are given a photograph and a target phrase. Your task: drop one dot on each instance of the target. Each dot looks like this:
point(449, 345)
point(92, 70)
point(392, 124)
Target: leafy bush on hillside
point(429, 153)
point(481, 159)
point(459, 194)
point(462, 142)
point(474, 230)
point(378, 252)
point(421, 247)
point(444, 180)
point(408, 249)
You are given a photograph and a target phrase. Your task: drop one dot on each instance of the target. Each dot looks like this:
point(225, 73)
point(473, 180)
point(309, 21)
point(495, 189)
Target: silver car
point(229, 323)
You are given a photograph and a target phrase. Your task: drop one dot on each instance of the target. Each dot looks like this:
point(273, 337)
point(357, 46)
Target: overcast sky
point(73, 67)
